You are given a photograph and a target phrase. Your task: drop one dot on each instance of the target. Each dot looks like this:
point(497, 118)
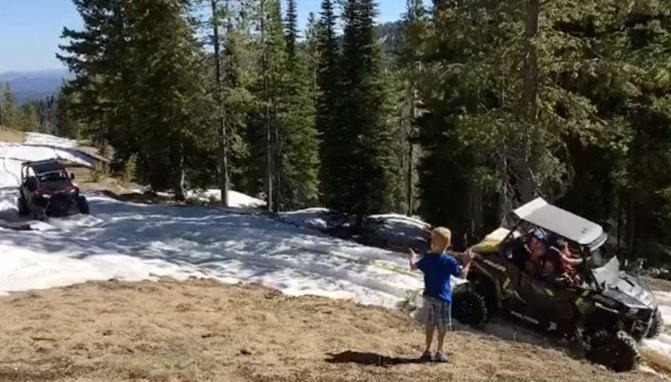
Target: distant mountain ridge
point(38, 84)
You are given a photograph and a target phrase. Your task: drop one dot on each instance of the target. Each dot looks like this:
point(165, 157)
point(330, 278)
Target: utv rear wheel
point(23, 207)
point(468, 307)
point(657, 325)
point(618, 351)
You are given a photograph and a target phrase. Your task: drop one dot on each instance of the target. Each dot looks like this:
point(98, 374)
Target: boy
point(437, 267)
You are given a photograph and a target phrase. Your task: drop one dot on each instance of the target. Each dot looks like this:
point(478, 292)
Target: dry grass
point(204, 331)
point(659, 284)
point(85, 179)
point(11, 135)
point(657, 361)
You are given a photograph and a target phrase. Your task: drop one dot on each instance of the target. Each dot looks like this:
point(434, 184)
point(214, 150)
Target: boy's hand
point(411, 259)
point(467, 258)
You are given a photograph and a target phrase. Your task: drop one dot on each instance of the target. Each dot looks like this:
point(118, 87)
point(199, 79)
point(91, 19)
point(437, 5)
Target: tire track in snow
point(5, 168)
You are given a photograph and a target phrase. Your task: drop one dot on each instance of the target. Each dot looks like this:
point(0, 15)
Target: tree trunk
point(222, 151)
point(180, 178)
point(529, 184)
point(411, 152)
point(276, 162)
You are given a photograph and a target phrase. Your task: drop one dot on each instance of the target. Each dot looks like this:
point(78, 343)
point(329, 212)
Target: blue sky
point(30, 29)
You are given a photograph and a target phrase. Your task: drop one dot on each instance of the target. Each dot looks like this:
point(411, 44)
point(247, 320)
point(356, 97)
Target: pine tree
point(65, 123)
point(101, 57)
point(172, 92)
point(291, 32)
point(240, 55)
point(140, 85)
point(299, 158)
point(311, 52)
point(30, 119)
point(328, 98)
point(413, 33)
point(368, 174)
point(10, 111)
point(273, 77)
point(223, 146)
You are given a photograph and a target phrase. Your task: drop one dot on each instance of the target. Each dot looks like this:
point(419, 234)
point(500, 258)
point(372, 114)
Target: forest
point(457, 112)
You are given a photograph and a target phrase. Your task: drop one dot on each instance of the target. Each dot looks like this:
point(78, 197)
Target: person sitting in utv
point(562, 261)
point(528, 252)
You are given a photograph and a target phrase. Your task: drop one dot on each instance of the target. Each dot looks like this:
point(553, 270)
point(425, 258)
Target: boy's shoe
point(440, 357)
point(426, 357)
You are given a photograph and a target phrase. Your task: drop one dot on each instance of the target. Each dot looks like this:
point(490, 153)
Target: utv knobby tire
point(23, 208)
point(83, 205)
point(41, 215)
point(617, 351)
point(485, 287)
point(657, 325)
point(468, 307)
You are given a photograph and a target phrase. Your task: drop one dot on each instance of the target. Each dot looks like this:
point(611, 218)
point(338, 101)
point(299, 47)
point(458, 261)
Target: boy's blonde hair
point(441, 238)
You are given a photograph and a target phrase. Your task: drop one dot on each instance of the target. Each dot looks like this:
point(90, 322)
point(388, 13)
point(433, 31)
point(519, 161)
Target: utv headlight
point(633, 311)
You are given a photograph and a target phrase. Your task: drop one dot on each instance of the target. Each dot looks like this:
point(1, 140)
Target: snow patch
point(49, 140)
point(235, 199)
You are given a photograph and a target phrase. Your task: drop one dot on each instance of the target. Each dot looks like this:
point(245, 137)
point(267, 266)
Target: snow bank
point(132, 241)
point(235, 199)
point(49, 140)
point(310, 218)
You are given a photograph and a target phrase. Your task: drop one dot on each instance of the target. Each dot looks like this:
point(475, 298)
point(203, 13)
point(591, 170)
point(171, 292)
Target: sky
point(30, 29)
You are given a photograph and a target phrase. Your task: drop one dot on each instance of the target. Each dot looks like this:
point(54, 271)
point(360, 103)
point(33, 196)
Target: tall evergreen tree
point(328, 99)
point(311, 51)
point(368, 173)
point(299, 158)
point(11, 116)
point(101, 57)
point(413, 29)
point(172, 92)
point(139, 84)
point(223, 146)
point(65, 124)
point(30, 118)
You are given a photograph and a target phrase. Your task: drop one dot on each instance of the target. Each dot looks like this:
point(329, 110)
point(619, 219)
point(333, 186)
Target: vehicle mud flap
point(617, 351)
point(469, 307)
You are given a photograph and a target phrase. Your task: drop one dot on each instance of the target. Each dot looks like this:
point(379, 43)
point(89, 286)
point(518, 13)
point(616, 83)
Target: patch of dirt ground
point(11, 135)
point(201, 330)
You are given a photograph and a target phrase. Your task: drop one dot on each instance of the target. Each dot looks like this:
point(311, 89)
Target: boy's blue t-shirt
point(437, 269)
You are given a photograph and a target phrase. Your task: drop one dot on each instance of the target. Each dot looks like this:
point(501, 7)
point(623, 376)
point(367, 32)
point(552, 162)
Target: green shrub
point(130, 168)
point(99, 171)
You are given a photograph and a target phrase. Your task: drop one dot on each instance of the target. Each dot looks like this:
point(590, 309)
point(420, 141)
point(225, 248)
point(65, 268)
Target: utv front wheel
point(83, 205)
point(468, 307)
point(41, 215)
point(616, 351)
point(657, 325)
point(23, 206)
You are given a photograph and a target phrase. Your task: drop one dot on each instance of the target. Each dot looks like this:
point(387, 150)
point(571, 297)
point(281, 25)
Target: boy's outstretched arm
point(412, 259)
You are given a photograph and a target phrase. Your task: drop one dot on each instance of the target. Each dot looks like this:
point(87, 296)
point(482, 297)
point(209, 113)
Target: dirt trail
point(204, 331)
